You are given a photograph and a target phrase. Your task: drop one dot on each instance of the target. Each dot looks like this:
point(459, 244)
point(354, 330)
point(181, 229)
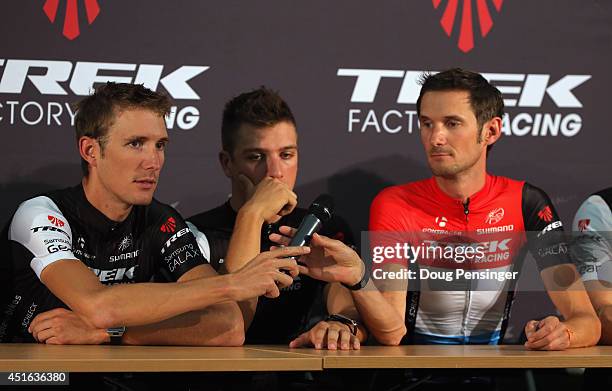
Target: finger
point(53, 341)
point(272, 292)
point(303, 270)
point(345, 339)
point(547, 339)
point(282, 279)
point(332, 338)
point(356, 343)
point(318, 335)
point(293, 272)
point(530, 327)
point(302, 340)
point(280, 239)
point(44, 335)
point(287, 231)
point(284, 252)
point(41, 325)
point(45, 316)
point(290, 205)
point(545, 327)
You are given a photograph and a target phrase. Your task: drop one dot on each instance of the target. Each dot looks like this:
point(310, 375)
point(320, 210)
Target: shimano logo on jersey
point(503, 228)
point(124, 256)
point(48, 228)
point(173, 239)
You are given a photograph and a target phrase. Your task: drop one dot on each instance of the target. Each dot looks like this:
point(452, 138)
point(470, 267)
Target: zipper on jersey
point(466, 209)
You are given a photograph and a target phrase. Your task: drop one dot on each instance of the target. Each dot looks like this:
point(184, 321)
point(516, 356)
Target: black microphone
point(319, 212)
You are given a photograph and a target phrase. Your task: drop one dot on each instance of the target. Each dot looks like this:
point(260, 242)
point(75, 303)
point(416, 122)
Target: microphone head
point(322, 207)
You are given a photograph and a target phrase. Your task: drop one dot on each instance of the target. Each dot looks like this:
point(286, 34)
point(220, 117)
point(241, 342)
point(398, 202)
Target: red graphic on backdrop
point(71, 20)
point(466, 31)
point(169, 226)
point(546, 214)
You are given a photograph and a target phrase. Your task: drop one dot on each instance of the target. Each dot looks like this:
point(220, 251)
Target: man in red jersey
point(460, 116)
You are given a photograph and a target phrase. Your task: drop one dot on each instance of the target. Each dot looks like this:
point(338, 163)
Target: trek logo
point(583, 224)
point(169, 225)
point(531, 89)
point(173, 239)
point(55, 221)
point(466, 32)
point(550, 227)
point(71, 28)
point(48, 228)
point(545, 214)
point(82, 75)
point(495, 216)
point(115, 274)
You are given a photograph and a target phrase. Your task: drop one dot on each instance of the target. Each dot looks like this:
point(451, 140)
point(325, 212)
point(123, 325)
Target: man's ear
point(492, 131)
point(226, 163)
point(89, 150)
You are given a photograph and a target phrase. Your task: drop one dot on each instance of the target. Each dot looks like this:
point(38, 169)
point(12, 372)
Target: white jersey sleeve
point(591, 247)
point(201, 239)
point(40, 227)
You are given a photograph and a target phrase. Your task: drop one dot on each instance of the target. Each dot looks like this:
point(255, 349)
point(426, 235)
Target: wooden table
point(37, 358)
point(457, 356)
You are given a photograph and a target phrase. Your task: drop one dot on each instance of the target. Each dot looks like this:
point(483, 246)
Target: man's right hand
point(271, 198)
point(265, 274)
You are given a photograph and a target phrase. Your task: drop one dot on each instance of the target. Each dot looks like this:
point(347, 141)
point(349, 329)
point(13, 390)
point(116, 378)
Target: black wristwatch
point(352, 325)
point(115, 334)
point(362, 283)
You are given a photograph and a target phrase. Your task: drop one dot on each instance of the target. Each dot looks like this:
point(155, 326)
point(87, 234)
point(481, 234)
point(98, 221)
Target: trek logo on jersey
point(113, 275)
point(550, 227)
point(55, 221)
point(173, 238)
point(545, 214)
point(583, 224)
point(71, 28)
point(466, 31)
point(48, 228)
point(169, 226)
point(441, 221)
point(495, 216)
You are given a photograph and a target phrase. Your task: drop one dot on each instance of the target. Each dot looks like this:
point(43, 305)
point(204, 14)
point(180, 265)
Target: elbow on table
point(392, 338)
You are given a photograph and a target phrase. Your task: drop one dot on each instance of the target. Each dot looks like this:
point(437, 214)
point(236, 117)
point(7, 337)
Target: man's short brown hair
point(97, 112)
point(260, 108)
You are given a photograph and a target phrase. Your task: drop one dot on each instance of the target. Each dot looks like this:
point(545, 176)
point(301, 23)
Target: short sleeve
point(40, 227)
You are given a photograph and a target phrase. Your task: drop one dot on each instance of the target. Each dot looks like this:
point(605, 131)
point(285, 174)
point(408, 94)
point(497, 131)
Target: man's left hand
point(329, 260)
point(547, 334)
point(64, 327)
point(327, 334)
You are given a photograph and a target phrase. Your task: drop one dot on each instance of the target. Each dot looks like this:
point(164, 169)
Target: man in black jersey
point(260, 156)
point(77, 262)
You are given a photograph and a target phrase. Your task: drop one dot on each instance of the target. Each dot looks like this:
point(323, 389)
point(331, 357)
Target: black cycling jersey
point(64, 225)
point(299, 306)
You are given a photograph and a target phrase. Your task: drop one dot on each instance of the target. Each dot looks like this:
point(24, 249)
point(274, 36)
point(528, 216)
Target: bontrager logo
point(169, 226)
point(71, 28)
point(466, 32)
point(55, 221)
